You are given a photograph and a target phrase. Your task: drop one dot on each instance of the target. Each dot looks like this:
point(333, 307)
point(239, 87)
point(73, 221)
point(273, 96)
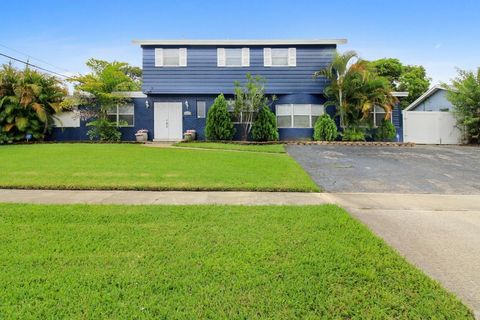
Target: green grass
point(190, 262)
point(270, 148)
point(136, 167)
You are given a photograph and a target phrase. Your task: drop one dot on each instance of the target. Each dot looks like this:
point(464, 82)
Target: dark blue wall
point(202, 76)
point(143, 120)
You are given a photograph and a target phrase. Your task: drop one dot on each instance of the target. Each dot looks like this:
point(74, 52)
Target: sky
point(62, 35)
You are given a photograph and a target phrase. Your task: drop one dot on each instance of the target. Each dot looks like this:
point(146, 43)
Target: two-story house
point(181, 79)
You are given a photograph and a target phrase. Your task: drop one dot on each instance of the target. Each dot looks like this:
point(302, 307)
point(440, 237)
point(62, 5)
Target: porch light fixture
point(147, 104)
point(186, 104)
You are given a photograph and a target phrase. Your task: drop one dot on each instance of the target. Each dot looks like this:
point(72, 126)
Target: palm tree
point(336, 73)
point(28, 102)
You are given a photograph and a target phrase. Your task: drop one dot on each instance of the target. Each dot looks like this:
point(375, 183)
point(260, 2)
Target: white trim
point(424, 97)
point(292, 114)
point(245, 57)
point(182, 57)
point(292, 57)
point(241, 42)
point(131, 94)
point(221, 57)
point(400, 94)
point(158, 57)
point(267, 57)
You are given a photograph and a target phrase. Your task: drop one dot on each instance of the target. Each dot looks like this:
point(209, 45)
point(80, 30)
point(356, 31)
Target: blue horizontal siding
point(202, 76)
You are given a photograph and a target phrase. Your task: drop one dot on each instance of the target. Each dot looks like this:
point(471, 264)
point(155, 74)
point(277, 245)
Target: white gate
point(430, 127)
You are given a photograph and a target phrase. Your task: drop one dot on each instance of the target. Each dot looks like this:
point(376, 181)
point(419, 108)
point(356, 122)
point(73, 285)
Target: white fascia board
point(400, 93)
point(131, 94)
point(239, 42)
point(424, 97)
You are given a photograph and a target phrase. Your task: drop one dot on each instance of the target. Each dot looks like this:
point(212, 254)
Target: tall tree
point(249, 99)
point(29, 101)
point(409, 78)
point(336, 73)
point(100, 89)
point(465, 96)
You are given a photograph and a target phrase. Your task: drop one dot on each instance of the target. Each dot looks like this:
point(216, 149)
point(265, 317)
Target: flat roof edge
point(241, 42)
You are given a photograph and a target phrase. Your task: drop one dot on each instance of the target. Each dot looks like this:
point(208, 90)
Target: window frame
point(272, 57)
point(178, 57)
point(204, 109)
point(226, 57)
point(116, 112)
point(292, 114)
point(374, 112)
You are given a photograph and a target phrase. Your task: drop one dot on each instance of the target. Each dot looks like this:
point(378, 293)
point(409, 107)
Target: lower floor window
point(378, 115)
point(298, 115)
point(122, 115)
point(242, 117)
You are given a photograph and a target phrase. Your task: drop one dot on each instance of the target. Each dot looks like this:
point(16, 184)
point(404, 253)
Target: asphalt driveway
point(419, 169)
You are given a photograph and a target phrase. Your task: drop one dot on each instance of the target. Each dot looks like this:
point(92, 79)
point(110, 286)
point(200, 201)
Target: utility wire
point(35, 66)
point(33, 58)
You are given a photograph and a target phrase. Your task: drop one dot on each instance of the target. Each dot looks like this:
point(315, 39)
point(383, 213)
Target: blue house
point(181, 79)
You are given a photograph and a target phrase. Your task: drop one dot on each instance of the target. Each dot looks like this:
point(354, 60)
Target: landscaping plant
point(219, 122)
point(353, 134)
point(249, 99)
point(29, 101)
point(386, 131)
point(100, 91)
point(325, 129)
point(465, 98)
point(264, 127)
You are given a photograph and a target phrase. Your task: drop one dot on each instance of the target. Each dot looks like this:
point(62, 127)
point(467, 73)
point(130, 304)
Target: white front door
point(168, 121)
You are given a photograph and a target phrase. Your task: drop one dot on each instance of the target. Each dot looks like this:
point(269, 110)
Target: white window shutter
point(182, 52)
point(267, 57)
point(245, 57)
point(292, 57)
point(221, 57)
point(158, 57)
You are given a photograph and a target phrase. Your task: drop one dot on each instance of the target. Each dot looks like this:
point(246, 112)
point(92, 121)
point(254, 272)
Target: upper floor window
point(171, 57)
point(279, 57)
point(122, 115)
point(233, 57)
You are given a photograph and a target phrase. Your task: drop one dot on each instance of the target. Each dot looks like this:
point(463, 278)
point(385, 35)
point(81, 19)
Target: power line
point(35, 66)
point(33, 58)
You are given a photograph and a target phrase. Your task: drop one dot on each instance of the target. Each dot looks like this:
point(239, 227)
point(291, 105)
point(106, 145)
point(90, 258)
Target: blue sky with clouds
point(441, 35)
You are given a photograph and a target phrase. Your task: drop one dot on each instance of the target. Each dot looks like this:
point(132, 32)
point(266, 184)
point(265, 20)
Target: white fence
point(430, 127)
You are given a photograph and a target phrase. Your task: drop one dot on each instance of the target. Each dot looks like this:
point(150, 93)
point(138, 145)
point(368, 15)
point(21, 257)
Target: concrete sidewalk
point(438, 233)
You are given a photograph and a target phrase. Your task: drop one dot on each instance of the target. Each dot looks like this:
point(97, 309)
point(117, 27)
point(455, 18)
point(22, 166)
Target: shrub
point(325, 129)
point(353, 134)
point(103, 130)
point(386, 131)
point(264, 127)
point(219, 122)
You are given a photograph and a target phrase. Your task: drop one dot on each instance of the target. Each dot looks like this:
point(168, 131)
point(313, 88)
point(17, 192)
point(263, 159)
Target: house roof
point(241, 42)
point(424, 97)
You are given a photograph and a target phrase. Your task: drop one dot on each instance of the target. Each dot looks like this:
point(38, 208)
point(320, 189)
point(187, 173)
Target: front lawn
point(271, 148)
point(136, 167)
point(190, 262)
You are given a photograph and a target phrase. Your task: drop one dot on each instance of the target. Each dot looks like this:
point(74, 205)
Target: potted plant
point(141, 135)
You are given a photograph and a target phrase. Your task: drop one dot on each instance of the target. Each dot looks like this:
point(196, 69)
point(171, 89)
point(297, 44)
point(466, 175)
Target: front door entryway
point(168, 121)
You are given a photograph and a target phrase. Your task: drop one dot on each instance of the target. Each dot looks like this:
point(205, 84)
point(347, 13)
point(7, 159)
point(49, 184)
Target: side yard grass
point(190, 262)
point(136, 167)
point(270, 148)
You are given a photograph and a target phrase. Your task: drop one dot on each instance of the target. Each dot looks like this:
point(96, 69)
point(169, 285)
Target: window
point(233, 57)
point(175, 57)
point(378, 114)
point(201, 109)
point(280, 57)
point(122, 115)
point(243, 117)
point(297, 115)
